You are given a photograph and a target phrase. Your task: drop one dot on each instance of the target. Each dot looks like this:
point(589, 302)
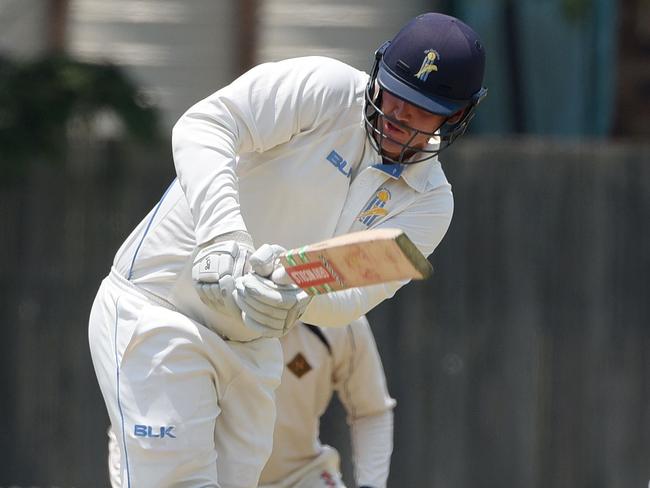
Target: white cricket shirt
point(274, 153)
point(352, 368)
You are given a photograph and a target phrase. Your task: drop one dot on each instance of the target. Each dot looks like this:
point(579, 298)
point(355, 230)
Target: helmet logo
point(428, 64)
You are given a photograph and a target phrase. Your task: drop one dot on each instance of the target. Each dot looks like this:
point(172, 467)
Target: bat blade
point(357, 259)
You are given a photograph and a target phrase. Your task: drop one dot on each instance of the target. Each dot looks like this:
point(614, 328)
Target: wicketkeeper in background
point(318, 362)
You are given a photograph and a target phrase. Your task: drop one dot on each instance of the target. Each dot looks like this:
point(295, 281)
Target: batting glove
point(217, 265)
point(265, 261)
point(269, 300)
point(268, 308)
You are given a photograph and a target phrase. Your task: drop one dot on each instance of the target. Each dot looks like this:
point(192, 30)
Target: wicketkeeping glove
point(270, 302)
point(217, 265)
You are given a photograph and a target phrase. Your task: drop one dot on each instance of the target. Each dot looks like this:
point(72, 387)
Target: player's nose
point(400, 110)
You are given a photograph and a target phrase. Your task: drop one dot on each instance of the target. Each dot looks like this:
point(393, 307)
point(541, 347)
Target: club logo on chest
point(374, 209)
point(299, 365)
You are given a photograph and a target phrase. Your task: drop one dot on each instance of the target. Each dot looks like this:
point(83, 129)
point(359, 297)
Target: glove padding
point(216, 267)
point(267, 307)
point(269, 300)
point(265, 262)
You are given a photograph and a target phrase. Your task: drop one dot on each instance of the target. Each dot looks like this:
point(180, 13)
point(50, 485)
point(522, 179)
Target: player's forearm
point(205, 145)
point(339, 308)
point(372, 445)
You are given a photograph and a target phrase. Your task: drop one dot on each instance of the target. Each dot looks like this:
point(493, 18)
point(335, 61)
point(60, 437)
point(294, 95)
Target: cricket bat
point(357, 259)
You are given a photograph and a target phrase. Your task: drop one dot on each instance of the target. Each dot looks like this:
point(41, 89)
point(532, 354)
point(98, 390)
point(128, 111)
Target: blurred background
point(523, 362)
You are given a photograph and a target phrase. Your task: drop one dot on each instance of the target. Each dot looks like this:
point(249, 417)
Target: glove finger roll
point(246, 303)
point(199, 287)
point(274, 320)
point(266, 291)
point(227, 292)
point(265, 259)
point(262, 259)
point(281, 277)
point(263, 319)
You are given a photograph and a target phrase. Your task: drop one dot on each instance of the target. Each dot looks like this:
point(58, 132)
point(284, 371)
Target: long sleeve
point(361, 386)
point(339, 308)
point(425, 220)
point(372, 446)
point(262, 109)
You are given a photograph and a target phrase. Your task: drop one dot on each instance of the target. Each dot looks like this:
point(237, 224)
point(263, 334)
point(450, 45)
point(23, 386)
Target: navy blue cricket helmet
point(435, 62)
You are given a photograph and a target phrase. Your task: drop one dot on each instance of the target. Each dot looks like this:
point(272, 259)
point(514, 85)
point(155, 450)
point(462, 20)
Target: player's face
point(401, 118)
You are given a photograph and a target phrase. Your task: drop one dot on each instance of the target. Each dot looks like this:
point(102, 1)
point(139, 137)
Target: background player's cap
point(435, 62)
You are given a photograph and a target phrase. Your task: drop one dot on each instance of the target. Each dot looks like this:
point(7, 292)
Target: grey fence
point(523, 362)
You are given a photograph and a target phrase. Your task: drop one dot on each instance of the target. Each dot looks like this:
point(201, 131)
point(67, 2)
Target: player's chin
point(399, 152)
point(391, 149)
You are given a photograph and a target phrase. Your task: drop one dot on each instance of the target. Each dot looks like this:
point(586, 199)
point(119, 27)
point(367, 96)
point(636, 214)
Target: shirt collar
point(416, 175)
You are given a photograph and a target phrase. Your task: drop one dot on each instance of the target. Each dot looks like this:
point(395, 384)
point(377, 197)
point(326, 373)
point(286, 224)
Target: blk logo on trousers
point(154, 432)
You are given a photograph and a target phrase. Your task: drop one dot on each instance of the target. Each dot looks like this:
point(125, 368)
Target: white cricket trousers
point(321, 472)
point(187, 408)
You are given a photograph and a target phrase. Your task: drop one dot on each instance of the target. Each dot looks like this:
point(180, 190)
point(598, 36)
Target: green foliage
point(40, 100)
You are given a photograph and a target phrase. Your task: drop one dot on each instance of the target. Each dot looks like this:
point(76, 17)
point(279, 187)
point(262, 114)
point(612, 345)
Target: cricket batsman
point(184, 329)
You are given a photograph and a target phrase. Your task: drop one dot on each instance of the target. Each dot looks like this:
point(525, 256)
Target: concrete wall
point(183, 50)
point(22, 27)
point(179, 51)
